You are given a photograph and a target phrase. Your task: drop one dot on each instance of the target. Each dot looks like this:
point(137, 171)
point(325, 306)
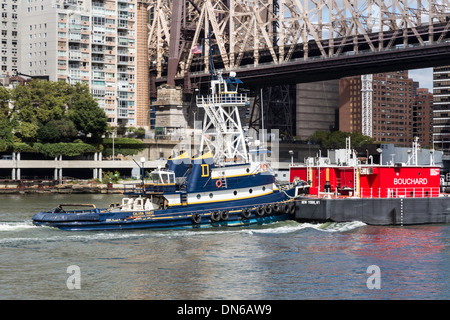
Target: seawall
point(51, 186)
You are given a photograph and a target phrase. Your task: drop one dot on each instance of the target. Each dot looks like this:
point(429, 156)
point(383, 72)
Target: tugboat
point(224, 185)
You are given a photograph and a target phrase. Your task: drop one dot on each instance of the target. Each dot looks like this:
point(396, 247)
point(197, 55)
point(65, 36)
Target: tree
point(40, 101)
point(85, 113)
point(138, 133)
point(336, 139)
point(5, 95)
point(62, 130)
point(123, 146)
point(320, 137)
point(6, 135)
point(54, 111)
point(27, 131)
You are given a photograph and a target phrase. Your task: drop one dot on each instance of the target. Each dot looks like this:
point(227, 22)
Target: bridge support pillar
point(97, 173)
point(170, 109)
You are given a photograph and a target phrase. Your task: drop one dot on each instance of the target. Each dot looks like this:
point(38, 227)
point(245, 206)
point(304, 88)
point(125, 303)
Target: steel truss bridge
point(281, 42)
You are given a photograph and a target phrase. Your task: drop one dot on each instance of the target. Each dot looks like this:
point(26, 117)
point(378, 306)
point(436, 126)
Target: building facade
point(316, 107)
point(88, 41)
point(441, 112)
point(400, 110)
point(9, 37)
point(423, 116)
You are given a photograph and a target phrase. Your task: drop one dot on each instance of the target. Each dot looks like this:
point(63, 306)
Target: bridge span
point(296, 40)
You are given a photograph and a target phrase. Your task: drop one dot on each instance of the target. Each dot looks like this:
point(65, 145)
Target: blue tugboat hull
point(165, 225)
point(268, 209)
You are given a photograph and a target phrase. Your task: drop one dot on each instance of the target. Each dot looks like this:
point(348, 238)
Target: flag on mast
point(197, 50)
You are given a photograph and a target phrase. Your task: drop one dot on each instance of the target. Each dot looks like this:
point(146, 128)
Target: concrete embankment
point(50, 186)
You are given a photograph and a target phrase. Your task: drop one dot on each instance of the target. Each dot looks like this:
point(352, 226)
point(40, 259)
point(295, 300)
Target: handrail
point(412, 192)
point(223, 98)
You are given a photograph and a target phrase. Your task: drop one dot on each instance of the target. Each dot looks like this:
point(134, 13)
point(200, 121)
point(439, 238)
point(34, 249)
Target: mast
point(222, 132)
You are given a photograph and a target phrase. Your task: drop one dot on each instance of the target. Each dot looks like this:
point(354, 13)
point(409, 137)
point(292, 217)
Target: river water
point(285, 260)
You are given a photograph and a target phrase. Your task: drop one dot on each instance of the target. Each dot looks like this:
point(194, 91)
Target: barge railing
point(399, 192)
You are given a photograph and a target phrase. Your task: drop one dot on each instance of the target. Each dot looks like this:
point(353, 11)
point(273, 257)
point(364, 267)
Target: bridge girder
point(253, 33)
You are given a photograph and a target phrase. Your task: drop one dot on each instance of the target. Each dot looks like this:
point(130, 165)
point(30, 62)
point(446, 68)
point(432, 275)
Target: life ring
point(246, 213)
point(224, 215)
point(260, 211)
point(268, 209)
point(196, 218)
point(215, 216)
point(264, 167)
point(219, 184)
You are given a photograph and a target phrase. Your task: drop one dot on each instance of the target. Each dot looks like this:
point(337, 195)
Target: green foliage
point(5, 96)
point(27, 131)
point(58, 130)
point(46, 112)
point(138, 133)
point(40, 101)
point(124, 146)
point(110, 177)
point(85, 113)
point(22, 147)
point(336, 139)
point(65, 149)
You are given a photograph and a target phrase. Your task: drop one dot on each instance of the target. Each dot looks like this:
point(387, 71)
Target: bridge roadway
point(392, 55)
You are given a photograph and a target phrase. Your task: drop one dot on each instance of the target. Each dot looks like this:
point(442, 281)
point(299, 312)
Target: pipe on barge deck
point(375, 211)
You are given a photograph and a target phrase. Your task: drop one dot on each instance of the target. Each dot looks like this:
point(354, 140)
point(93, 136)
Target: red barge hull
point(370, 181)
point(376, 195)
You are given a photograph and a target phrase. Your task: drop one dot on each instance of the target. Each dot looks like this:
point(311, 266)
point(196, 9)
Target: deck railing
point(399, 192)
point(239, 99)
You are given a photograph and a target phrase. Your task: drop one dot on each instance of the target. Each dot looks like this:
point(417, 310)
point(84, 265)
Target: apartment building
point(400, 110)
point(316, 107)
point(9, 29)
point(87, 41)
point(441, 112)
point(423, 116)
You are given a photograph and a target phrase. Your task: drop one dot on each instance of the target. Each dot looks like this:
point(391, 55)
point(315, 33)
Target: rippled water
point(286, 260)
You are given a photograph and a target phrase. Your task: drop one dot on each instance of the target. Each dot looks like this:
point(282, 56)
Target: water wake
point(292, 226)
point(283, 227)
point(14, 226)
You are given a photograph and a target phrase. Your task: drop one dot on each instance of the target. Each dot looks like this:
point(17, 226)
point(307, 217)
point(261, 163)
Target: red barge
point(393, 194)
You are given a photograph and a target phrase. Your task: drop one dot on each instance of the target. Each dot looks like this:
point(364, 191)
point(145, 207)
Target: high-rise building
point(393, 96)
point(423, 116)
point(87, 41)
point(316, 107)
point(441, 111)
point(10, 37)
point(398, 112)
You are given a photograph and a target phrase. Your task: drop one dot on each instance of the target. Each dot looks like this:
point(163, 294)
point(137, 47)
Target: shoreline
point(50, 186)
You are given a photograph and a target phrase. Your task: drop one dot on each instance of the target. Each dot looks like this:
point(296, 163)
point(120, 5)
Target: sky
point(423, 76)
